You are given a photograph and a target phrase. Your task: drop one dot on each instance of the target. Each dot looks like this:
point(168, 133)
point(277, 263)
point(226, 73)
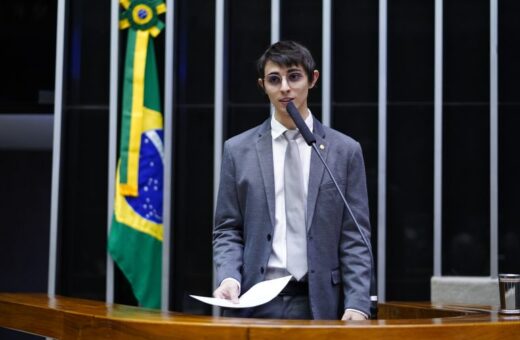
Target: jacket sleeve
point(356, 263)
point(228, 242)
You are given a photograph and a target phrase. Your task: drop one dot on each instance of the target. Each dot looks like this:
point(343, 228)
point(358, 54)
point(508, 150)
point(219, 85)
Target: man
point(278, 212)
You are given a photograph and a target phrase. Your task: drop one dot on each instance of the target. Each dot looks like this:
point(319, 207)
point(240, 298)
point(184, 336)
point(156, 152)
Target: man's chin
point(283, 107)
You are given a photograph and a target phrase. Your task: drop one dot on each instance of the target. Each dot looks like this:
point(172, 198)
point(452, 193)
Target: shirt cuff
point(358, 311)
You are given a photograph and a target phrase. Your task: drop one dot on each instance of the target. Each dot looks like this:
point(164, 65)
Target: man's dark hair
point(287, 53)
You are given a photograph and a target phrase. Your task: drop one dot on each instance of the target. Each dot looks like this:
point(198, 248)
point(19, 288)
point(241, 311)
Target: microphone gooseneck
point(310, 139)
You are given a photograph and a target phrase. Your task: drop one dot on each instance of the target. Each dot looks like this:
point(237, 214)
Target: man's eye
point(296, 76)
point(273, 80)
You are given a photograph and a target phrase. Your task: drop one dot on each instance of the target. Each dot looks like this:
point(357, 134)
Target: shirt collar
point(277, 129)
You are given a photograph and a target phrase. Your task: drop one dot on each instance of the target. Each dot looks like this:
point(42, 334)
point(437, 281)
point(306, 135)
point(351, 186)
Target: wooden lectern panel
point(70, 318)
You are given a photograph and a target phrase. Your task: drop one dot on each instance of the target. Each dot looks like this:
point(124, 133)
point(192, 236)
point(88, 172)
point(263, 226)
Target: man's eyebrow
point(293, 69)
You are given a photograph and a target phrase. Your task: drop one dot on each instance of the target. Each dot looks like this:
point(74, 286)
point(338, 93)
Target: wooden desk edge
point(64, 317)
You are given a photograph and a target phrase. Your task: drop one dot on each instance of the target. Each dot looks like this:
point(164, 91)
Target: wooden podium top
point(70, 318)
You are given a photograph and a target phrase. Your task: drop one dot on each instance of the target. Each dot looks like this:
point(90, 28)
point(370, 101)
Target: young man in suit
point(278, 212)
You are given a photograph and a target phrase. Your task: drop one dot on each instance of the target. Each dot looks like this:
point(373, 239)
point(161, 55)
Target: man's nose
point(285, 84)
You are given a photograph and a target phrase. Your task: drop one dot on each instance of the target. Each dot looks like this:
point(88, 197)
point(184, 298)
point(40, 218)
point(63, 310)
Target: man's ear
point(315, 76)
point(261, 83)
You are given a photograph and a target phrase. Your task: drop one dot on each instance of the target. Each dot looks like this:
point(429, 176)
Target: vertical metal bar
point(381, 196)
point(326, 76)
point(112, 136)
point(437, 171)
point(493, 135)
point(275, 21)
point(56, 149)
point(166, 287)
point(219, 108)
point(275, 28)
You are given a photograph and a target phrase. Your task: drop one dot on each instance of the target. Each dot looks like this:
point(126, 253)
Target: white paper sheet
point(259, 294)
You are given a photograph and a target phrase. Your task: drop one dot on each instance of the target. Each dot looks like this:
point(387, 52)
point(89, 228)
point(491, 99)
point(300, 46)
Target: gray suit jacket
point(338, 261)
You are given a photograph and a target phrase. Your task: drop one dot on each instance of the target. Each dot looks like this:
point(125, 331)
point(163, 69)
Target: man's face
point(284, 84)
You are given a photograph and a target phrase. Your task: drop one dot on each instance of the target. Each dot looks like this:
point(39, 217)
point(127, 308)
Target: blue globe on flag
point(148, 204)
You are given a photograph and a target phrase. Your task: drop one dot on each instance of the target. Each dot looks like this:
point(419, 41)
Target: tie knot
point(291, 134)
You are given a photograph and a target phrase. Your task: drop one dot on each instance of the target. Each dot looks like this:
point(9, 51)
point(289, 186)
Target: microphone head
point(300, 124)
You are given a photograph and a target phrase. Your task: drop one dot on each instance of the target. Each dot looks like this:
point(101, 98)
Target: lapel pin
point(322, 147)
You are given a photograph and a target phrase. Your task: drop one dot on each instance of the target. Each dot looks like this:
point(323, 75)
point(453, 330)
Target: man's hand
point(228, 290)
point(352, 315)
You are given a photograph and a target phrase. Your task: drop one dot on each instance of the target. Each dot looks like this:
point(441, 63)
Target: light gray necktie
point(294, 208)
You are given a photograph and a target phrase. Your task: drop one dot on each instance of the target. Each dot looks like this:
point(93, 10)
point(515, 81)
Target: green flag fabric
point(136, 234)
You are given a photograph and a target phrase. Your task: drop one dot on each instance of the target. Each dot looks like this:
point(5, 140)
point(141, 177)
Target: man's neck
point(286, 120)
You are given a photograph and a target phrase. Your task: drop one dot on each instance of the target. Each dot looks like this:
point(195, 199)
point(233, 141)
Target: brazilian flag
point(136, 234)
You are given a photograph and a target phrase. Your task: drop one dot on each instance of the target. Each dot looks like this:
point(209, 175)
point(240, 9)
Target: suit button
point(310, 238)
point(269, 237)
point(261, 270)
point(312, 271)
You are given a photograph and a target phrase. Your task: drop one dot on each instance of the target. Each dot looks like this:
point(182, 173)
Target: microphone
point(300, 124)
point(310, 139)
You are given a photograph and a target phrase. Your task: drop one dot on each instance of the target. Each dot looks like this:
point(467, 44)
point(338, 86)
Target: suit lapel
point(264, 149)
point(316, 171)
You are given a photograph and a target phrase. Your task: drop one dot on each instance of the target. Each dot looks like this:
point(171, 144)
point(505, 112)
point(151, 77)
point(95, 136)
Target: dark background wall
point(28, 38)
point(29, 82)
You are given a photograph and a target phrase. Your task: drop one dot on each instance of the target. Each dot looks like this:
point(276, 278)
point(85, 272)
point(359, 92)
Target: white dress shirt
point(278, 259)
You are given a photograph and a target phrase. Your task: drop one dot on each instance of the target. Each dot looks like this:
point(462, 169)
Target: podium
point(71, 318)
